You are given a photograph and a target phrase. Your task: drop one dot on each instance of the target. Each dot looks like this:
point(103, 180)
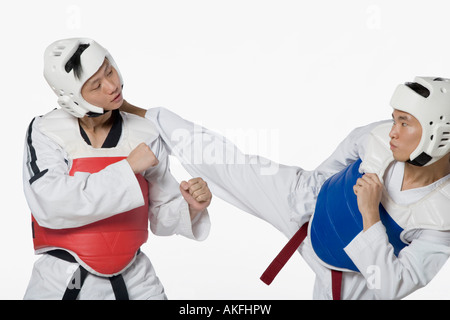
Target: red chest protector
point(105, 247)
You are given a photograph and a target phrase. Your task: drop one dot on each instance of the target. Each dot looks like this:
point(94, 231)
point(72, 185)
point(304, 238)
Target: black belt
point(79, 276)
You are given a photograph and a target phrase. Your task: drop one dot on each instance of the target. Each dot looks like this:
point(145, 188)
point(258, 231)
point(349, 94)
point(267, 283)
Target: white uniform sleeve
point(394, 277)
point(58, 200)
point(349, 150)
point(169, 211)
point(251, 183)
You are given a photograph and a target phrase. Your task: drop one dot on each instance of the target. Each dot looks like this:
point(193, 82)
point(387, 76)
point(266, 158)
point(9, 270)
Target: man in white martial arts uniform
point(93, 178)
point(371, 221)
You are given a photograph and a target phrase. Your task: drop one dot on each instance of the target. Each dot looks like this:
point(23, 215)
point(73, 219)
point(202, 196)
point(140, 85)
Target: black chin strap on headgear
point(91, 114)
point(421, 160)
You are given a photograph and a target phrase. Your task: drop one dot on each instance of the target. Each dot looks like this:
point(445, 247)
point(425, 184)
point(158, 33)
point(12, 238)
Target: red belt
point(286, 253)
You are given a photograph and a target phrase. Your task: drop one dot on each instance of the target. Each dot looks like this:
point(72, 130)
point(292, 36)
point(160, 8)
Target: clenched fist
point(142, 158)
point(197, 194)
point(368, 190)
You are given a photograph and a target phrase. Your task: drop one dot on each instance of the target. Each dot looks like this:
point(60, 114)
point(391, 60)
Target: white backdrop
point(297, 75)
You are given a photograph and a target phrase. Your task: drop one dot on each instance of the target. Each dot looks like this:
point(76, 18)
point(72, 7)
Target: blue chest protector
point(337, 220)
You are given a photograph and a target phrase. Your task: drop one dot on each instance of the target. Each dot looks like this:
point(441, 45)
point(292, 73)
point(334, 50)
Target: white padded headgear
point(64, 82)
point(432, 112)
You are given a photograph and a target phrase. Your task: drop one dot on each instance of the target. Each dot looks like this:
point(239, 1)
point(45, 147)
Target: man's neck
point(417, 177)
point(97, 128)
point(95, 123)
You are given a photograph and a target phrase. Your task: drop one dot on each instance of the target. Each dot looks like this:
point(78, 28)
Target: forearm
point(127, 107)
point(60, 201)
point(169, 211)
point(370, 219)
point(393, 277)
point(193, 213)
point(174, 218)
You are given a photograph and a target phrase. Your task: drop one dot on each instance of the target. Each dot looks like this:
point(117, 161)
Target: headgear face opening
point(433, 113)
point(66, 81)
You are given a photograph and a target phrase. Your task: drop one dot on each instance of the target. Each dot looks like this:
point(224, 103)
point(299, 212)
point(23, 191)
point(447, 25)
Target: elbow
point(51, 217)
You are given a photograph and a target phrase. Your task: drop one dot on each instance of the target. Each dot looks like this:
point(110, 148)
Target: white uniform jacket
point(59, 201)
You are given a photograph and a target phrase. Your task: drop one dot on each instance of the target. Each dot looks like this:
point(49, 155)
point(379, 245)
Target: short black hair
point(418, 88)
point(74, 62)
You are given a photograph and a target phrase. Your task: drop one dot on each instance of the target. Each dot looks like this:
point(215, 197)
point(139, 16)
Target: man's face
point(104, 89)
point(405, 135)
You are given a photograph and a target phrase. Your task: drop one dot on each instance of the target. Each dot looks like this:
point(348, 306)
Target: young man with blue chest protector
point(372, 220)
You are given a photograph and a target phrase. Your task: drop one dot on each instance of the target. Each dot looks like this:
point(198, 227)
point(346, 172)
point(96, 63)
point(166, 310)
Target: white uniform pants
point(51, 276)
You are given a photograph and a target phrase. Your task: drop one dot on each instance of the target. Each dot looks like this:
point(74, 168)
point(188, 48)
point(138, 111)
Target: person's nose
point(393, 134)
point(110, 87)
